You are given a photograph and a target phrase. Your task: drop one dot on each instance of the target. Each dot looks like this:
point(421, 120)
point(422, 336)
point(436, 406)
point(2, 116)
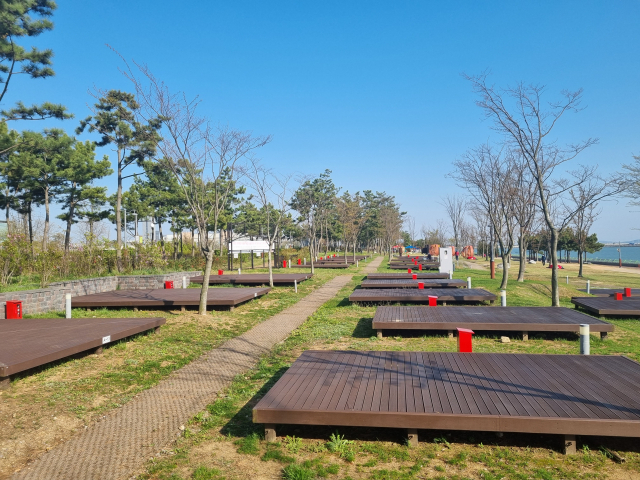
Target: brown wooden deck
point(552, 394)
point(168, 298)
point(520, 319)
point(387, 276)
point(430, 266)
point(601, 306)
point(323, 265)
point(32, 342)
point(415, 295)
point(254, 279)
point(410, 283)
point(608, 292)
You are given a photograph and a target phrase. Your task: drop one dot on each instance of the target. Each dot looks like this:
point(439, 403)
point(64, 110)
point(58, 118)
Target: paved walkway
point(119, 445)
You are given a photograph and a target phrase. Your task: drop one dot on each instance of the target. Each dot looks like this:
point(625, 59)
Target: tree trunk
point(118, 223)
point(72, 208)
point(555, 292)
point(30, 221)
point(580, 261)
point(523, 259)
point(45, 234)
point(270, 267)
point(161, 238)
point(193, 243)
point(208, 254)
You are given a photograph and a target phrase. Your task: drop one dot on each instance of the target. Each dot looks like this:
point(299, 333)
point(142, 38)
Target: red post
point(220, 272)
point(627, 292)
point(299, 261)
point(284, 264)
point(408, 270)
point(13, 310)
point(464, 340)
point(414, 276)
point(420, 267)
point(618, 296)
point(420, 285)
point(433, 301)
point(168, 284)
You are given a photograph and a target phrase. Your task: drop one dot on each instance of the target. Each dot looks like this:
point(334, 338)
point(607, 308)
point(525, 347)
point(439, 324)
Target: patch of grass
point(298, 472)
point(276, 455)
point(204, 473)
point(249, 444)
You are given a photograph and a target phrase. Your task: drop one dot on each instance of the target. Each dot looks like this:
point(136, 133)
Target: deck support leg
point(135, 309)
point(525, 336)
point(98, 351)
point(412, 437)
point(569, 444)
point(444, 304)
point(232, 308)
point(88, 309)
point(182, 308)
point(450, 333)
point(5, 382)
point(603, 335)
point(379, 333)
point(270, 432)
point(155, 330)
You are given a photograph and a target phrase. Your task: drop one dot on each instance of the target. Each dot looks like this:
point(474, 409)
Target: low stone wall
point(52, 299)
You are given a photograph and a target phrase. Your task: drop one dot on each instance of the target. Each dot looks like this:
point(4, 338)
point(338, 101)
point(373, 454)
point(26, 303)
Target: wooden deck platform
point(323, 265)
point(609, 292)
point(168, 297)
point(518, 319)
point(388, 276)
point(603, 306)
point(444, 295)
point(32, 342)
point(410, 283)
point(254, 278)
point(431, 266)
point(549, 394)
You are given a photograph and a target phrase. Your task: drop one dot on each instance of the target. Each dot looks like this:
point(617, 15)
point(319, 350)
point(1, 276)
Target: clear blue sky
point(370, 90)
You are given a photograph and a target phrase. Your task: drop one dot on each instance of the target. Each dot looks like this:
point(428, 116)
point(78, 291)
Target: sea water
point(607, 254)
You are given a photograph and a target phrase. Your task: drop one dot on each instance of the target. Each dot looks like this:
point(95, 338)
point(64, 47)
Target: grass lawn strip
point(223, 440)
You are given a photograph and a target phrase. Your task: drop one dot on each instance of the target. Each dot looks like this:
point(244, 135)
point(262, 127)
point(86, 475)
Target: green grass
point(381, 453)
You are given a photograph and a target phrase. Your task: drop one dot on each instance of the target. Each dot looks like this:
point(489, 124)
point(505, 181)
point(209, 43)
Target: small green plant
point(439, 468)
point(204, 473)
point(249, 444)
point(293, 444)
point(296, 471)
point(276, 455)
point(338, 444)
point(443, 441)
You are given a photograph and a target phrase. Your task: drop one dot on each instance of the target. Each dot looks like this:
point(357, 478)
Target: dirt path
point(117, 446)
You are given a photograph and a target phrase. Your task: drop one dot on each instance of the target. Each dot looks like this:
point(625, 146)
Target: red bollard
point(414, 276)
point(168, 284)
point(433, 301)
point(408, 270)
point(220, 272)
point(284, 264)
point(464, 340)
point(420, 285)
point(420, 267)
point(299, 261)
point(627, 292)
point(618, 296)
point(13, 310)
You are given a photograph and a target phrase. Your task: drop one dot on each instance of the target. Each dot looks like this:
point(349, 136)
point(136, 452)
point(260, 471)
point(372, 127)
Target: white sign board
point(446, 260)
point(245, 246)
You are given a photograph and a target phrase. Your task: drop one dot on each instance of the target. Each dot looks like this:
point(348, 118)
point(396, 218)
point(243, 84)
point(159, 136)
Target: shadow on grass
point(363, 328)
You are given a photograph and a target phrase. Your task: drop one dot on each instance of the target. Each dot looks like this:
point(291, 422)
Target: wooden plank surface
point(323, 265)
point(555, 394)
point(386, 276)
point(410, 283)
point(414, 268)
point(168, 297)
point(415, 295)
point(609, 305)
point(32, 342)
point(253, 278)
point(529, 319)
point(609, 292)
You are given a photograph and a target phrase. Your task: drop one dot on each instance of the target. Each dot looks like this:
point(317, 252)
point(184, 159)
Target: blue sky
point(370, 90)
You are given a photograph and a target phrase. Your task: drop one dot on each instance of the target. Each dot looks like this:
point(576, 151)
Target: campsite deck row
point(414, 295)
point(405, 275)
point(552, 394)
point(520, 319)
point(323, 265)
point(410, 283)
point(609, 292)
point(603, 306)
point(430, 266)
point(29, 343)
point(168, 297)
point(253, 278)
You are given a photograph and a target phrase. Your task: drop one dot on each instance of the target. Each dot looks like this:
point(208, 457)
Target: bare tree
point(204, 159)
point(410, 227)
point(526, 123)
point(351, 215)
point(272, 194)
point(456, 208)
